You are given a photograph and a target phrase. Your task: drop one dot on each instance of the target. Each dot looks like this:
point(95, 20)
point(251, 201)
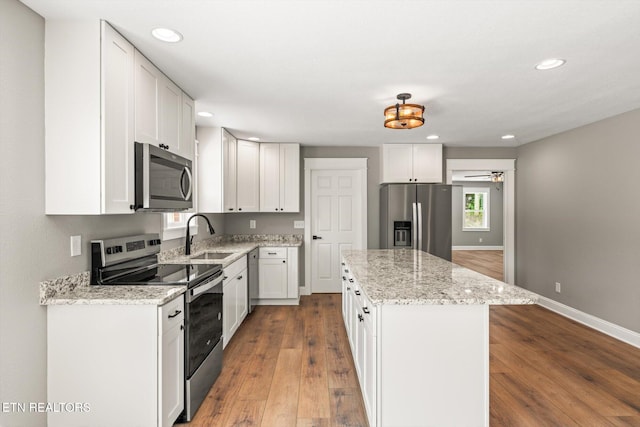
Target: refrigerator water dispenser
point(402, 233)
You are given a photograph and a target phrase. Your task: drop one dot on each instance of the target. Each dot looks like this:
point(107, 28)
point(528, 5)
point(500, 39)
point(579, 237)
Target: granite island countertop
point(407, 276)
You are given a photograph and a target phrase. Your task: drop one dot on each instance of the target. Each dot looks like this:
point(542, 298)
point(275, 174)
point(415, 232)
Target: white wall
point(35, 247)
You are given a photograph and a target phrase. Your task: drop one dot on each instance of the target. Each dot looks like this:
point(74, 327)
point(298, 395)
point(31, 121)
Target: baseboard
point(285, 301)
point(305, 290)
point(477, 248)
point(611, 329)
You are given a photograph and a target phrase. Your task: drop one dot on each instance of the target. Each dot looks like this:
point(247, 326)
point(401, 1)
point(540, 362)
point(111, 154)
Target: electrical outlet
point(252, 223)
point(558, 288)
point(480, 239)
point(298, 224)
point(76, 245)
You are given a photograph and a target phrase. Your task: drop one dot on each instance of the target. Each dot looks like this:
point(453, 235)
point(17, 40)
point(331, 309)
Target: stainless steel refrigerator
point(416, 216)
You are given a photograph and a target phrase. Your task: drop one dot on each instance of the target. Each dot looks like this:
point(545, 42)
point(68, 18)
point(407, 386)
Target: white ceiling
point(321, 72)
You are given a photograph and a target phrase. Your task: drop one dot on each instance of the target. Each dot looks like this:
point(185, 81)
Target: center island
point(418, 326)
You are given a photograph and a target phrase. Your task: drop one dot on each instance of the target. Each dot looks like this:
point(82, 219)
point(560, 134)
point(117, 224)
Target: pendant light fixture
point(404, 116)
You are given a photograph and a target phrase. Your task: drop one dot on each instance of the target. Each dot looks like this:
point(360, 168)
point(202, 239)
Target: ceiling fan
point(493, 176)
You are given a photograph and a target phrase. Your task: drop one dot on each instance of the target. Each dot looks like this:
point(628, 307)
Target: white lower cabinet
point(278, 275)
point(121, 363)
point(234, 298)
point(418, 364)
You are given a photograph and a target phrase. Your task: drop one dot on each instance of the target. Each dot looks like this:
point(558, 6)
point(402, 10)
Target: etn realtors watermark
point(55, 407)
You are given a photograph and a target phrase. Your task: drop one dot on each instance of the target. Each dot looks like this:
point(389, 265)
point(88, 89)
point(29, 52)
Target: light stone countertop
point(118, 295)
point(407, 276)
point(75, 289)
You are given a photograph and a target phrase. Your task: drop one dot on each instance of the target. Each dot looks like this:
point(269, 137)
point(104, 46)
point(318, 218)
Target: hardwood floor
point(292, 366)
point(489, 263)
point(287, 366)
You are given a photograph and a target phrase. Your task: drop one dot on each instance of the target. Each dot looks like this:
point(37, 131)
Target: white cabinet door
point(187, 128)
point(397, 163)
point(292, 273)
point(289, 178)
point(269, 177)
point(242, 307)
point(272, 274)
point(248, 176)
point(171, 361)
point(229, 164)
point(427, 163)
point(117, 122)
point(172, 375)
point(229, 314)
point(170, 114)
point(148, 83)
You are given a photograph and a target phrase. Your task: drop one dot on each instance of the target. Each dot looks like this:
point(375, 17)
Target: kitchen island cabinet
point(418, 327)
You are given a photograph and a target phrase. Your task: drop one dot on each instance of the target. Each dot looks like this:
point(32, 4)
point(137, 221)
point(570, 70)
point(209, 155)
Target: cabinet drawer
point(171, 314)
point(273, 253)
point(235, 268)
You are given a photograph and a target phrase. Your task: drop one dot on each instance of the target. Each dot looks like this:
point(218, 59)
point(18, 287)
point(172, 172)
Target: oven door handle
point(205, 287)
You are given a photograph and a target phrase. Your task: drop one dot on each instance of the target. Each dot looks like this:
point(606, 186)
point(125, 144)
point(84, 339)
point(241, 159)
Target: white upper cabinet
point(248, 176)
point(417, 163)
point(229, 169)
point(148, 82)
point(89, 119)
point(160, 110)
point(228, 172)
point(187, 128)
point(279, 177)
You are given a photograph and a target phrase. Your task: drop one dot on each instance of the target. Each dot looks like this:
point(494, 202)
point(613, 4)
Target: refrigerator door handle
point(420, 226)
point(414, 243)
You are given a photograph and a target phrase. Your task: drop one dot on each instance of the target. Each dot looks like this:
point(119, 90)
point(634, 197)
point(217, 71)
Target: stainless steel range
point(133, 260)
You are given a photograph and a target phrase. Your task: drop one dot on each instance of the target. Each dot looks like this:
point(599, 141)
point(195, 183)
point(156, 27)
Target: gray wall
point(577, 209)
point(493, 237)
point(35, 247)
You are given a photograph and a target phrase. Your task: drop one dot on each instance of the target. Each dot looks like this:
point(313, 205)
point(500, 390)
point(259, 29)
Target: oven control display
point(134, 246)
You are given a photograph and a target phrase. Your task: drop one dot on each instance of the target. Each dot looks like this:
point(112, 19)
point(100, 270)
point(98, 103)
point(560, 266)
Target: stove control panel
point(107, 252)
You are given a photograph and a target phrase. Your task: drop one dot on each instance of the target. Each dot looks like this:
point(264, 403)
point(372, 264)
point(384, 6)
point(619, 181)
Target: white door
point(336, 224)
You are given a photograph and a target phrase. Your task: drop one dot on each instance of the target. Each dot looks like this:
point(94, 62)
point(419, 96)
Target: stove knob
point(118, 249)
point(109, 251)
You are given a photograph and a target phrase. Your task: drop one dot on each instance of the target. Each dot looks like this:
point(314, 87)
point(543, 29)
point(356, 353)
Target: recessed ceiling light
point(205, 114)
point(254, 138)
point(508, 136)
point(549, 64)
point(166, 35)
point(433, 137)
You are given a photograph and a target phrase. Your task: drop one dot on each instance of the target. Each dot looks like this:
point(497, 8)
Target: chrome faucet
point(187, 243)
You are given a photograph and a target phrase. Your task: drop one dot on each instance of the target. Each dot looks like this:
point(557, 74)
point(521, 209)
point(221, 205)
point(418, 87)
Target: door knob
point(316, 237)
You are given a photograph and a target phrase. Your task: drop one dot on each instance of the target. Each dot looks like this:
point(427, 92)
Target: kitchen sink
point(213, 255)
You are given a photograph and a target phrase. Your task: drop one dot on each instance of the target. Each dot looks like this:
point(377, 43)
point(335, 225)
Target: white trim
point(477, 248)
point(508, 166)
point(606, 327)
point(178, 232)
point(359, 164)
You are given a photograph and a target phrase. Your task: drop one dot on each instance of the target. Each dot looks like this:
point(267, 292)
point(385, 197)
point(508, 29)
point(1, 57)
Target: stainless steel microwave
point(164, 181)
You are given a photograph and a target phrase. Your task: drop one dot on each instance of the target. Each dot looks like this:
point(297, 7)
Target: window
point(175, 225)
point(476, 209)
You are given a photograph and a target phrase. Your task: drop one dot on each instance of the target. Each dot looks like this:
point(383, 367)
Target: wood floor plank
point(313, 422)
point(282, 404)
point(490, 263)
point(314, 387)
point(245, 414)
point(347, 408)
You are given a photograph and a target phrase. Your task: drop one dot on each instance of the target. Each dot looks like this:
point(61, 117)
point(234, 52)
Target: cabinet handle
point(366, 310)
point(344, 278)
point(272, 253)
point(171, 316)
point(225, 277)
point(276, 209)
point(239, 277)
point(166, 146)
point(348, 288)
point(346, 270)
point(230, 209)
point(182, 327)
point(357, 292)
point(360, 317)
point(284, 261)
point(239, 209)
point(351, 280)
